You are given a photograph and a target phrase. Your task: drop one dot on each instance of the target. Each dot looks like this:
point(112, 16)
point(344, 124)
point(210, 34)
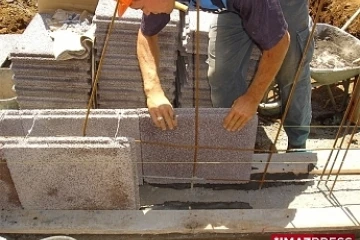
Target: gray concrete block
point(211, 163)
point(15, 123)
point(165, 163)
point(9, 198)
point(48, 92)
point(7, 42)
point(51, 83)
point(51, 63)
point(74, 173)
point(26, 102)
point(28, 45)
point(38, 72)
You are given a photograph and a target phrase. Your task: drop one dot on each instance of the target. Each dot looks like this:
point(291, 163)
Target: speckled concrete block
point(224, 165)
point(74, 173)
point(7, 42)
point(28, 102)
point(167, 161)
point(37, 35)
point(61, 123)
point(48, 92)
point(169, 164)
point(52, 83)
point(9, 198)
point(38, 72)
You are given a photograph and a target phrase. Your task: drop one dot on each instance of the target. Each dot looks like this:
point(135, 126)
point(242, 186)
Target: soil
point(15, 15)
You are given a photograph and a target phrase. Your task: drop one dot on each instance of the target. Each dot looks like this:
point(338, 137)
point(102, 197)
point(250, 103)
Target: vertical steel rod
point(297, 75)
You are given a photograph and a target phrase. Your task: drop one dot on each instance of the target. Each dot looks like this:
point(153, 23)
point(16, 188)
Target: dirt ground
point(15, 15)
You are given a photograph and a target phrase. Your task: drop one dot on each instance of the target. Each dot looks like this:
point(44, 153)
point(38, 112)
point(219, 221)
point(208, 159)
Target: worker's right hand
point(161, 111)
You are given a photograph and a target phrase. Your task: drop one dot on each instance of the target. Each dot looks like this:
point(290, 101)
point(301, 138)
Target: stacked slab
point(194, 66)
point(120, 82)
point(40, 80)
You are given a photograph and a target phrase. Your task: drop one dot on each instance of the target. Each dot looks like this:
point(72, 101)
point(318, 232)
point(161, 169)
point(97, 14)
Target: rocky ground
point(15, 15)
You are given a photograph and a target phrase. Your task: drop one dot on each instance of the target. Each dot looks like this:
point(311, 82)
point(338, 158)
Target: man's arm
point(245, 106)
point(160, 108)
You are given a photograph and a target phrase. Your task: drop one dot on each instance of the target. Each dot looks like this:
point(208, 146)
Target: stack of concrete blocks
point(49, 165)
point(187, 90)
point(41, 81)
point(120, 83)
point(222, 157)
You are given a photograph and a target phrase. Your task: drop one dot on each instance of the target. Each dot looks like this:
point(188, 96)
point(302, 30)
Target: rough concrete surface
point(74, 173)
point(173, 162)
point(7, 42)
point(9, 198)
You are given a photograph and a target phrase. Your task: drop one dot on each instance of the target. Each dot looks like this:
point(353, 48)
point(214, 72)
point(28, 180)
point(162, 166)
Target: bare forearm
point(269, 65)
point(148, 56)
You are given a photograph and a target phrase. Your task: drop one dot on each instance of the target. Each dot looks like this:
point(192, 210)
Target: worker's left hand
point(243, 109)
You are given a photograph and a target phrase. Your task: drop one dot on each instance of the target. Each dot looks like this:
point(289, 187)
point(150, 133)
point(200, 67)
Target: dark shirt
point(263, 20)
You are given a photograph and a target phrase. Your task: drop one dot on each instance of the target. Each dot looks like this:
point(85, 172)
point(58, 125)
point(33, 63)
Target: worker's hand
point(161, 111)
point(243, 109)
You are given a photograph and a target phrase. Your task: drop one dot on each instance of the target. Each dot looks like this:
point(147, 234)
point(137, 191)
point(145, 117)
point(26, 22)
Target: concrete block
point(26, 102)
point(167, 161)
point(16, 123)
point(7, 42)
point(38, 72)
point(52, 83)
point(9, 198)
point(61, 123)
point(226, 163)
point(74, 173)
point(51, 63)
point(28, 45)
point(48, 92)
point(168, 156)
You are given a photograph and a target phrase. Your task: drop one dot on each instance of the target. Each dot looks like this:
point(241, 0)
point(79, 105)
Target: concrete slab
point(26, 102)
point(49, 73)
point(74, 173)
point(165, 163)
point(9, 198)
point(48, 92)
point(7, 42)
point(52, 83)
point(61, 123)
point(51, 63)
point(37, 35)
point(186, 224)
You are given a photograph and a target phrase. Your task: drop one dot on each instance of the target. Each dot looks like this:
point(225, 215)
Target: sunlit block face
point(153, 6)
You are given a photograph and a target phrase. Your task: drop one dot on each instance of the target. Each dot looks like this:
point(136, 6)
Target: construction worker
point(273, 25)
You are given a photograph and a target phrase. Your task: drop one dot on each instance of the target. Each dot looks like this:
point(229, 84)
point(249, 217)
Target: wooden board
point(180, 221)
point(49, 6)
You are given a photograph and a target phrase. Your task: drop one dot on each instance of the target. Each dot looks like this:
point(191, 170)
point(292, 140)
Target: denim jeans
point(229, 53)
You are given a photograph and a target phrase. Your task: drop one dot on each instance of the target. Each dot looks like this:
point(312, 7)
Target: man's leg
point(228, 57)
point(298, 119)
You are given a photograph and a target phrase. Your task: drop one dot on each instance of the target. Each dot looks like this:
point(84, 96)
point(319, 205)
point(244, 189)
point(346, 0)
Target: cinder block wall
point(51, 141)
